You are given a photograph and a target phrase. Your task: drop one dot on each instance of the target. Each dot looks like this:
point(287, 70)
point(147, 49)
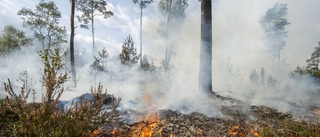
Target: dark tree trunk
point(205, 76)
point(73, 69)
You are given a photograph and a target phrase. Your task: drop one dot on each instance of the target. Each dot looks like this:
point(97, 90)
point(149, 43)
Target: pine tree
point(313, 62)
point(173, 13)
point(12, 39)
point(128, 54)
point(98, 64)
point(142, 4)
point(90, 9)
point(273, 23)
point(44, 21)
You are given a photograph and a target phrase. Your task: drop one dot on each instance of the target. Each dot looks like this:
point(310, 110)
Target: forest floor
point(239, 120)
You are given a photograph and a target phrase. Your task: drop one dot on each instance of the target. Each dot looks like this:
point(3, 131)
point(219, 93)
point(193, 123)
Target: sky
point(237, 36)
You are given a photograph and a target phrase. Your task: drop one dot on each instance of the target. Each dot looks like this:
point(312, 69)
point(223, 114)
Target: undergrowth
point(20, 118)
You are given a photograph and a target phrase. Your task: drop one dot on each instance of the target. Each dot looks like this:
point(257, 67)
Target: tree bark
point(167, 56)
point(205, 75)
point(72, 61)
point(141, 33)
point(92, 26)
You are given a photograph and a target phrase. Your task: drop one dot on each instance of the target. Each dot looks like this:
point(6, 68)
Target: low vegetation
point(20, 118)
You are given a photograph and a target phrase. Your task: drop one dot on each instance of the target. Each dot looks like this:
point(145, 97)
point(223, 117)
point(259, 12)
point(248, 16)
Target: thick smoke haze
point(237, 41)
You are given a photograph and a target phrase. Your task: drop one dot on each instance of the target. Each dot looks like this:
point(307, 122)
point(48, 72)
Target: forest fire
point(190, 91)
point(148, 121)
point(254, 133)
point(237, 131)
point(147, 127)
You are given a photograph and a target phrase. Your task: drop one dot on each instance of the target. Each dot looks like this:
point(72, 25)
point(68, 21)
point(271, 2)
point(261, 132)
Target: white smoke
point(236, 34)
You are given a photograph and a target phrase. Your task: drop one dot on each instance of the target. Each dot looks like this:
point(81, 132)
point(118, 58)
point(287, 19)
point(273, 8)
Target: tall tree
point(273, 23)
point(90, 9)
point(205, 76)
point(173, 12)
point(12, 39)
point(128, 54)
point(44, 21)
point(72, 27)
point(313, 62)
point(142, 4)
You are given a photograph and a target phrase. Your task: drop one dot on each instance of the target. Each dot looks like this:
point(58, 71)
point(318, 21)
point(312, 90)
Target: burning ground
point(235, 119)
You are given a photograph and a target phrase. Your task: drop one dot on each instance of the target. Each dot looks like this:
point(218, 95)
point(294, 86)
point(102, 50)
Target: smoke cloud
point(237, 41)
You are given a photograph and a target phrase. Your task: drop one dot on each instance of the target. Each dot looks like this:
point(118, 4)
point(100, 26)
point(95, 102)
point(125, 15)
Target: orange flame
point(199, 133)
point(234, 131)
point(114, 131)
point(254, 133)
point(96, 132)
point(148, 126)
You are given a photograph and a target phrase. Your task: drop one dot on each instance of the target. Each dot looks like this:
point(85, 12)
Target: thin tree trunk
point(140, 34)
point(167, 57)
point(72, 61)
point(205, 76)
point(92, 27)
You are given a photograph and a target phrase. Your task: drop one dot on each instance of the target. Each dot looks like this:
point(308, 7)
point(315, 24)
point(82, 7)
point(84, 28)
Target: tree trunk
point(205, 76)
point(140, 35)
point(73, 69)
point(167, 56)
point(92, 27)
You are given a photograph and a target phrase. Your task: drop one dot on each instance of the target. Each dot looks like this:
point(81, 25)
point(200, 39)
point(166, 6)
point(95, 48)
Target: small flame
point(234, 131)
point(171, 135)
point(96, 132)
point(149, 124)
point(254, 133)
point(114, 131)
point(199, 133)
point(146, 129)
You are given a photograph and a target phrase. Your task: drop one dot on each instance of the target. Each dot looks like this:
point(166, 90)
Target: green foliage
point(19, 118)
point(273, 23)
point(146, 65)
point(27, 81)
point(88, 9)
point(12, 39)
point(313, 62)
point(128, 54)
point(297, 73)
point(41, 119)
point(44, 21)
point(142, 3)
point(53, 78)
point(98, 64)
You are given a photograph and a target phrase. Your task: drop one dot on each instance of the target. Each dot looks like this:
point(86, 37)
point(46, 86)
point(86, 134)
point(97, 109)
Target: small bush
point(20, 118)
